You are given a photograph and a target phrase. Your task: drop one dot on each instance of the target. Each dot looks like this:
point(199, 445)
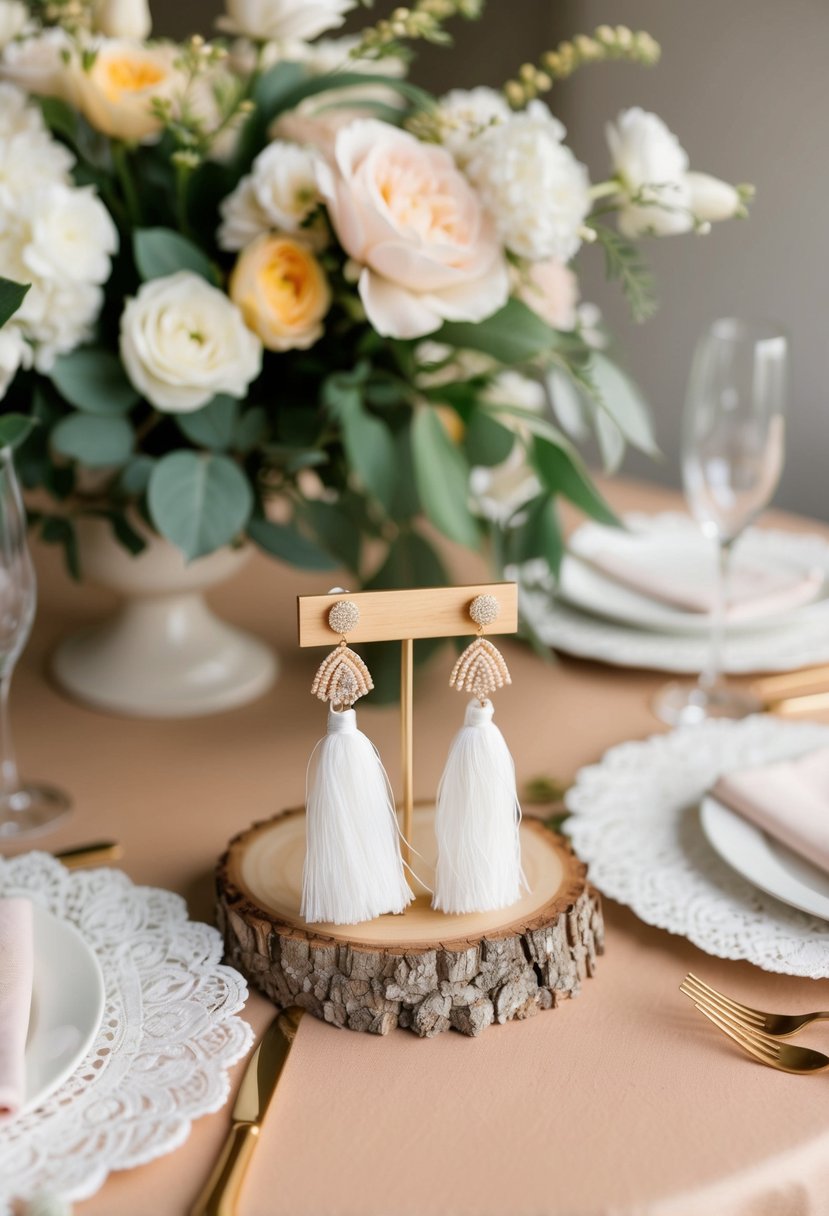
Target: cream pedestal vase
point(163, 654)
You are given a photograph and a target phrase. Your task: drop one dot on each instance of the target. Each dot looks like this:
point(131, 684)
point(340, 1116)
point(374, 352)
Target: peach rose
point(282, 292)
point(408, 216)
point(552, 290)
point(116, 92)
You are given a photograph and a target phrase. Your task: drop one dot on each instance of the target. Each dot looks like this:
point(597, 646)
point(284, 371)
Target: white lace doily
point(169, 1033)
point(635, 821)
point(783, 648)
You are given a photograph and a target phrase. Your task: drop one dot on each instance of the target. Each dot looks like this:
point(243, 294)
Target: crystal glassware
point(24, 809)
point(732, 456)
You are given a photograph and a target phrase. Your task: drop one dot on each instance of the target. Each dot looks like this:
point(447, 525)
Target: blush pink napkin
point(16, 965)
point(789, 800)
point(686, 582)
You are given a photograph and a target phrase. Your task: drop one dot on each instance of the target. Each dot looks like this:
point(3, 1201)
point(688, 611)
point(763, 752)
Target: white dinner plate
point(67, 1004)
point(764, 861)
point(660, 539)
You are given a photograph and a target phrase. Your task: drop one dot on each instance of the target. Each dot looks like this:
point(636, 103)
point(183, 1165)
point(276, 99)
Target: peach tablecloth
point(623, 1102)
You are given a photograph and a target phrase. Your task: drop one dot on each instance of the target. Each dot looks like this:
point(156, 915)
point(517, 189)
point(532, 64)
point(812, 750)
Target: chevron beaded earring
point(477, 817)
point(353, 868)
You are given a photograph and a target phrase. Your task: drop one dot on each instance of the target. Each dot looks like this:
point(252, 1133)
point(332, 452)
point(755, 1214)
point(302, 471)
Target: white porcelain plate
point(670, 542)
point(764, 861)
point(67, 1005)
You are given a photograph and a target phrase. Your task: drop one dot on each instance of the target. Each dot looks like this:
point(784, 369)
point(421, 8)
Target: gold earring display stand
point(423, 970)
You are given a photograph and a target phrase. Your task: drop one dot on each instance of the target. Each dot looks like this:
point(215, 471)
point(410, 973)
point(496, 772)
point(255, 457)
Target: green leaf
point(214, 425)
point(11, 297)
point(161, 251)
point(59, 118)
point(135, 476)
point(515, 334)
point(58, 530)
point(623, 402)
point(624, 262)
point(540, 534)
point(349, 80)
point(336, 532)
point(251, 428)
point(442, 477)
point(562, 472)
point(486, 441)
point(405, 503)
point(93, 380)
point(15, 428)
point(536, 424)
point(123, 531)
point(368, 442)
point(277, 84)
point(94, 441)
point(287, 543)
point(199, 502)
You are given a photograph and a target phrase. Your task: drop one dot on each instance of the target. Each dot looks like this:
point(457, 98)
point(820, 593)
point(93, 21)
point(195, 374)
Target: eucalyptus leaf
point(94, 441)
point(200, 502)
point(93, 380)
point(15, 429)
point(540, 535)
point(486, 441)
point(562, 472)
point(514, 334)
point(11, 297)
point(214, 425)
point(135, 476)
point(623, 402)
point(335, 531)
point(442, 477)
point(287, 543)
point(251, 428)
point(568, 402)
point(611, 442)
point(367, 440)
point(161, 251)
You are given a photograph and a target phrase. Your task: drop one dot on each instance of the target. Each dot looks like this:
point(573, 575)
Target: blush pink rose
point(408, 216)
point(552, 290)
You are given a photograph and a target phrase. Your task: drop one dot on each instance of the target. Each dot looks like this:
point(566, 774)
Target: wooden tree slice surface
point(422, 970)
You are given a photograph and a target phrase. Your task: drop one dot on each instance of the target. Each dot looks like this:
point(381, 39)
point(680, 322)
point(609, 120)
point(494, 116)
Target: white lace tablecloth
point(634, 820)
point(168, 1035)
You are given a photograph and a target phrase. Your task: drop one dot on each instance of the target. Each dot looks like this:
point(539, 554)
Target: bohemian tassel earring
point(353, 867)
point(477, 818)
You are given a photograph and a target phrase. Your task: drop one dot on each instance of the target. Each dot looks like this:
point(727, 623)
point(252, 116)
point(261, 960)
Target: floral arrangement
point(279, 292)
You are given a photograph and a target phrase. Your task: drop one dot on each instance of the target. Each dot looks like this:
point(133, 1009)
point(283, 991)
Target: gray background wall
point(744, 84)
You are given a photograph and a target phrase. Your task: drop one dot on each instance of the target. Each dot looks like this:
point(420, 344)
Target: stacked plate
point(597, 614)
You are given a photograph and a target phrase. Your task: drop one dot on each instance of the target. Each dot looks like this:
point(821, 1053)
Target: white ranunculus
point(712, 199)
point(278, 20)
point(123, 19)
point(72, 236)
point(13, 18)
point(652, 167)
point(532, 185)
point(40, 64)
point(14, 353)
point(465, 114)
point(278, 194)
point(183, 341)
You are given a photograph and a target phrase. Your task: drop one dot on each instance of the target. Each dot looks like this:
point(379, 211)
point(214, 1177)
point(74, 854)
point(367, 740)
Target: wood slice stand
point(422, 970)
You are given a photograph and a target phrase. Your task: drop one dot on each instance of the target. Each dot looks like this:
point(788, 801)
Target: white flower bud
point(712, 199)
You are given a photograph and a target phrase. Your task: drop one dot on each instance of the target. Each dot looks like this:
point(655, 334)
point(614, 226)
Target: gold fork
point(781, 1025)
point(785, 1057)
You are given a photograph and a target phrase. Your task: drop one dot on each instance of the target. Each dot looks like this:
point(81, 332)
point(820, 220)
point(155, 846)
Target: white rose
point(278, 194)
point(405, 213)
point(13, 18)
point(39, 64)
point(652, 167)
point(464, 114)
point(712, 199)
point(123, 18)
point(183, 341)
point(278, 20)
point(14, 353)
point(532, 185)
point(72, 236)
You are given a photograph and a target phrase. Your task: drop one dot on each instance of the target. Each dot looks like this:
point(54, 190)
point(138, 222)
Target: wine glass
point(24, 809)
point(732, 456)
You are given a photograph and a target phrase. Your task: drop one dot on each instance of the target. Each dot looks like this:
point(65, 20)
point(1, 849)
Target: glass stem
point(9, 777)
point(712, 672)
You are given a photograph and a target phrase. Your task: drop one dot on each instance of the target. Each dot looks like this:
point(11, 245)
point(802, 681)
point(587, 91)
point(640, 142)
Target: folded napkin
point(685, 578)
point(16, 963)
point(789, 800)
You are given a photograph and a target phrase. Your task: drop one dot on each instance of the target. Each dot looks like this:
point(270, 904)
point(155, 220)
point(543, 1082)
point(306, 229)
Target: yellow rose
point(116, 92)
point(282, 292)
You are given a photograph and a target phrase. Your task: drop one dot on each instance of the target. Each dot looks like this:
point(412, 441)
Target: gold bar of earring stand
point(406, 737)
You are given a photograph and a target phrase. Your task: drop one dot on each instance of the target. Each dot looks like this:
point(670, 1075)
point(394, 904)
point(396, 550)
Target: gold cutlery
point(794, 692)
point(785, 1057)
point(221, 1191)
point(90, 854)
point(780, 1025)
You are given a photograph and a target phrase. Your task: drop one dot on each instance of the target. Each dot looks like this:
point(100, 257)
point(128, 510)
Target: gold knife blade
point(220, 1193)
point(90, 854)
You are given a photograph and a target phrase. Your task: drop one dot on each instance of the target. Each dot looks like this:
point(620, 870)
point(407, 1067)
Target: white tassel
point(353, 867)
point(476, 824)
